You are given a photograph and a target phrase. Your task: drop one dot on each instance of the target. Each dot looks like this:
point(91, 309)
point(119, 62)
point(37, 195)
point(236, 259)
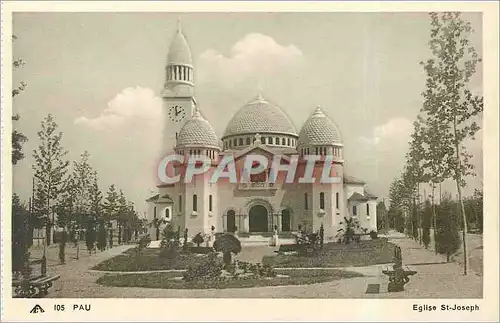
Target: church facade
point(256, 204)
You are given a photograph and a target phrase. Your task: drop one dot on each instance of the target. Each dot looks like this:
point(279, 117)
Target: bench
point(34, 286)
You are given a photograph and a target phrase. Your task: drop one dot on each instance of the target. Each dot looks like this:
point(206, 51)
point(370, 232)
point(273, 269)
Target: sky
point(100, 76)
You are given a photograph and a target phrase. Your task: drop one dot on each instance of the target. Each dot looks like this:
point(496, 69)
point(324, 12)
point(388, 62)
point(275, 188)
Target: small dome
point(319, 130)
point(179, 52)
point(259, 116)
point(197, 132)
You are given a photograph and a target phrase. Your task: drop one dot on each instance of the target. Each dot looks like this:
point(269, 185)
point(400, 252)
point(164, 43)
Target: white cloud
point(127, 106)
point(396, 129)
point(255, 55)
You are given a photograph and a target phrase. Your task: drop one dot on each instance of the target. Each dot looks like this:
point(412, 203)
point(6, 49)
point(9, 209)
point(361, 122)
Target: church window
point(235, 142)
point(240, 142)
point(367, 209)
point(288, 141)
point(210, 203)
point(354, 210)
point(277, 141)
point(306, 205)
point(167, 213)
point(283, 141)
point(322, 200)
point(337, 200)
point(263, 140)
point(248, 141)
point(195, 203)
point(271, 141)
point(180, 203)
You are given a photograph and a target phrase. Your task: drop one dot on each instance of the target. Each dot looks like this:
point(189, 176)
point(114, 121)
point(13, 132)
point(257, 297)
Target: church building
point(258, 205)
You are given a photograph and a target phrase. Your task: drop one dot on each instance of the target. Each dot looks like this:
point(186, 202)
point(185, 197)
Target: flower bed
point(175, 280)
point(364, 253)
point(148, 259)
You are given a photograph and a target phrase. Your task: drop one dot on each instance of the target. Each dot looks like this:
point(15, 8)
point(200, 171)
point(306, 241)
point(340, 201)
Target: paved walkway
point(435, 279)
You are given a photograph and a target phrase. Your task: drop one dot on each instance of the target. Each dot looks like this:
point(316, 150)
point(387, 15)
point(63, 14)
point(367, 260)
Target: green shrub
point(210, 269)
point(227, 244)
point(198, 239)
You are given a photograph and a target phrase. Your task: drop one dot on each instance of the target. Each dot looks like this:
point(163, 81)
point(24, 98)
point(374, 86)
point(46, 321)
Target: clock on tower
point(177, 113)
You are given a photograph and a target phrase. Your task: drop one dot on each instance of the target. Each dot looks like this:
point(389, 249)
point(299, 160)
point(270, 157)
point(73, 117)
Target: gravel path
point(435, 279)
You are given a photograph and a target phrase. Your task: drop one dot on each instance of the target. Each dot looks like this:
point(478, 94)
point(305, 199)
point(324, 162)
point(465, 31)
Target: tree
point(448, 99)
point(447, 236)
point(198, 239)
point(18, 138)
point(101, 235)
point(110, 204)
point(169, 245)
point(426, 215)
point(50, 170)
point(415, 172)
point(90, 234)
point(21, 234)
point(95, 197)
point(228, 244)
point(347, 232)
point(382, 216)
point(123, 209)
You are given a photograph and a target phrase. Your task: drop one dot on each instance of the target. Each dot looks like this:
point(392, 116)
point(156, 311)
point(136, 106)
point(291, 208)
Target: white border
point(264, 309)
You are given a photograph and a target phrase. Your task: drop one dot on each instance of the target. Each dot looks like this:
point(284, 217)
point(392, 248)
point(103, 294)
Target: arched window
point(277, 140)
point(354, 210)
point(288, 141)
point(167, 213)
point(248, 141)
point(283, 141)
point(210, 203)
point(367, 209)
point(322, 200)
point(306, 204)
point(271, 140)
point(240, 142)
point(195, 203)
point(154, 213)
point(180, 203)
point(235, 142)
point(263, 140)
point(337, 200)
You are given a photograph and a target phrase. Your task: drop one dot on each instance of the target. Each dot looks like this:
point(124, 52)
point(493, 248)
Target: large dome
point(319, 129)
point(197, 132)
point(259, 116)
point(179, 52)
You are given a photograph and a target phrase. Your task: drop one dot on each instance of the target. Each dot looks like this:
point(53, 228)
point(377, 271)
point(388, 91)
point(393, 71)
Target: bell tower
point(178, 92)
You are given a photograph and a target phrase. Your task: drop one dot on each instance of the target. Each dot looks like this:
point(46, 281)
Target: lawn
point(167, 281)
point(366, 253)
point(148, 260)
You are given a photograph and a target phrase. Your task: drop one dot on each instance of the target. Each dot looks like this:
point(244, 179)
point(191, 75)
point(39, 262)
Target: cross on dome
point(318, 112)
point(179, 28)
point(197, 114)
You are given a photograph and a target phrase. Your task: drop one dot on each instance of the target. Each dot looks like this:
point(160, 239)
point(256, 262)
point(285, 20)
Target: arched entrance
point(258, 219)
point(286, 220)
point(231, 221)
